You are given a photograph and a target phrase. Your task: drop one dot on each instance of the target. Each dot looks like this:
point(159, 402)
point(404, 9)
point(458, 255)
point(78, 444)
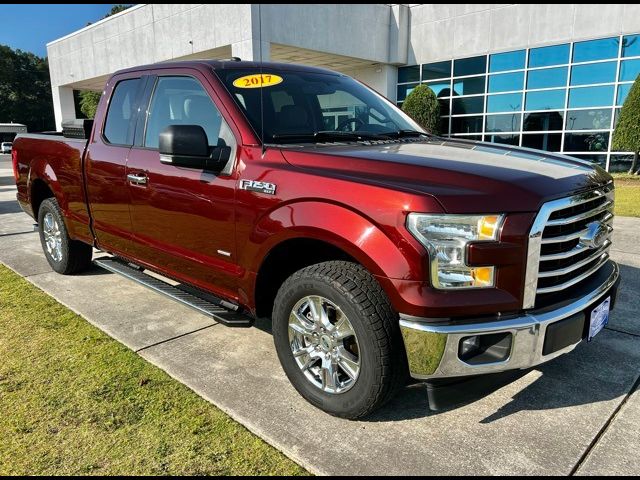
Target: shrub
point(626, 136)
point(89, 102)
point(422, 105)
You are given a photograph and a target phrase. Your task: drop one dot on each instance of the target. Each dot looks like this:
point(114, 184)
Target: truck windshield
point(302, 107)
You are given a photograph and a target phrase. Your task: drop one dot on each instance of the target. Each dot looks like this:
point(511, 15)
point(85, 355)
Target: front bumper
point(433, 350)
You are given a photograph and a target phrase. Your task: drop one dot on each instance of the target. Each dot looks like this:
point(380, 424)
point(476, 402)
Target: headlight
point(446, 238)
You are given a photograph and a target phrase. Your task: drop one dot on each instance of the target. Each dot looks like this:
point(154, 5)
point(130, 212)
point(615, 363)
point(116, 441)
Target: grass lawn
point(74, 401)
point(627, 195)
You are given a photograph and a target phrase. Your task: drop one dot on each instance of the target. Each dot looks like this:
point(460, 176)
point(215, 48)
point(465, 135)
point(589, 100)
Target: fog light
point(485, 349)
point(469, 346)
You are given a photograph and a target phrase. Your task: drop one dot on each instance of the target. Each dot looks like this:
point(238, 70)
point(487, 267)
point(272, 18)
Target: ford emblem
point(595, 236)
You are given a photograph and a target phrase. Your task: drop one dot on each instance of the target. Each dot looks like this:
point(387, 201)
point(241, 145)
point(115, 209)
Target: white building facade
point(544, 76)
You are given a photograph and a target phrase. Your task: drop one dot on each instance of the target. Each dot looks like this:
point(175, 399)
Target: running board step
point(219, 310)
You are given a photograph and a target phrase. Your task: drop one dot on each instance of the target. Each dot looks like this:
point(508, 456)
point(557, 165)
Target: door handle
point(137, 179)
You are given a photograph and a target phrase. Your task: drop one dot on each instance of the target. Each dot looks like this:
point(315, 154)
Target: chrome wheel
point(52, 237)
point(324, 344)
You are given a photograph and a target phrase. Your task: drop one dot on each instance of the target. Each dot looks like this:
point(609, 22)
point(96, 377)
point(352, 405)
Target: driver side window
point(182, 101)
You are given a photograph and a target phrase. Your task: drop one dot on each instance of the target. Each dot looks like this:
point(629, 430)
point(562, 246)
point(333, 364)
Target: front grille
point(560, 253)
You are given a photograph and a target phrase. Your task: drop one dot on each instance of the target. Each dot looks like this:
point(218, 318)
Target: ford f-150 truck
point(379, 251)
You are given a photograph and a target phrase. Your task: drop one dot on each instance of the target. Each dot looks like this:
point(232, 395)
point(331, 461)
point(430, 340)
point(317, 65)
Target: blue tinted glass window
point(470, 66)
point(474, 138)
point(469, 86)
point(468, 105)
point(432, 71)
point(631, 46)
point(404, 90)
point(595, 50)
point(595, 119)
point(623, 91)
point(441, 89)
point(466, 124)
point(504, 139)
point(586, 142)
point(409, 74)
point(620, 163)
point(547, 78)
point(501, 62)
point(599, 159)
point(547, 56)
point(545, 100)
point(593, 73)
point(444, 125)
point(444, 106)
point(629, 70)
point(591, 97)
point(509, 102)
point(543, 141)
point(503, 123)
point(542, 121)
point(506, 82)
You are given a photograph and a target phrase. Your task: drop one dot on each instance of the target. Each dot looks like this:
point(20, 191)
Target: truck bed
point(51, 161)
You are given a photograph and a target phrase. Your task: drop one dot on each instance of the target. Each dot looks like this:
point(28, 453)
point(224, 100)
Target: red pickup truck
point(297, 193)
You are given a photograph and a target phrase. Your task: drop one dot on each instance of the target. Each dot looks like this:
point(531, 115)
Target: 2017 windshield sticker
point(253, 81)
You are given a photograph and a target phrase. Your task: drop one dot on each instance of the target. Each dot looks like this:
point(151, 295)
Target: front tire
point(66, 256)
point(338, 339)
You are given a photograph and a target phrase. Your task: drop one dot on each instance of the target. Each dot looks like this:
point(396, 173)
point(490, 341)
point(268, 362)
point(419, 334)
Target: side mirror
point(188, 146)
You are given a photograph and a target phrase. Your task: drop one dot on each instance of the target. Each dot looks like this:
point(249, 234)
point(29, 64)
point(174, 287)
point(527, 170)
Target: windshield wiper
point(406, 133)
point(328, 135)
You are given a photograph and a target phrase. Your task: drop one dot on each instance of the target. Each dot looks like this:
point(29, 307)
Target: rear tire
point(340, 290)
point(66, 256)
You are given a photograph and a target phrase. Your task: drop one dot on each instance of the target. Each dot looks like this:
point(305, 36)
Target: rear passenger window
point(182, 101)
point(118, 127)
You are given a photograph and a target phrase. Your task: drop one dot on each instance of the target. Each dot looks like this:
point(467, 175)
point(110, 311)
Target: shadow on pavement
point(7, 181)
point(93, 270)
point(540, 395)
point(547, 392)
point(9, 206)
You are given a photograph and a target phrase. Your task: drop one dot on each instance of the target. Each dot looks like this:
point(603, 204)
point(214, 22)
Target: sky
point(31, 27)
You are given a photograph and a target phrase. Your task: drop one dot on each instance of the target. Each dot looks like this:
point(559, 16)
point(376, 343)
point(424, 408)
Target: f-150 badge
point(256, 186)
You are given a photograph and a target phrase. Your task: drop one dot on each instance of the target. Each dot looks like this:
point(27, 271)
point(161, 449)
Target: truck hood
point(464, 176)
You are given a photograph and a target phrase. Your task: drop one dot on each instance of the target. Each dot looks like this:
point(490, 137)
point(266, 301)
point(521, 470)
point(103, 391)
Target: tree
point(117, 9)
point(626, 136)
point(89, 102)
point(25, 90)
point(422, 106)
point(114, 10)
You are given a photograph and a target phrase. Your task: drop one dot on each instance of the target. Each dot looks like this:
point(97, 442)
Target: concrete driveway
point(578, 415)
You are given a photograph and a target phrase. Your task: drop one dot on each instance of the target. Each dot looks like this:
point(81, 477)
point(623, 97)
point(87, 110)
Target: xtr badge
point(256, 186)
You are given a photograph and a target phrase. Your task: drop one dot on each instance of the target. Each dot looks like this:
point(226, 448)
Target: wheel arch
point(299, 235)
point(39, 192)
point(43, 184)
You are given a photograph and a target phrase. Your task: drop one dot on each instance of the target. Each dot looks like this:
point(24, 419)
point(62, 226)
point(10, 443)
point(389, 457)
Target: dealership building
point(551, 77)
point(8, 131)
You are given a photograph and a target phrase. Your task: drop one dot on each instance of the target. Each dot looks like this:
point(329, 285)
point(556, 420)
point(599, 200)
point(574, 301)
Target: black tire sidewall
point(349, 403)
point(50, 205)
